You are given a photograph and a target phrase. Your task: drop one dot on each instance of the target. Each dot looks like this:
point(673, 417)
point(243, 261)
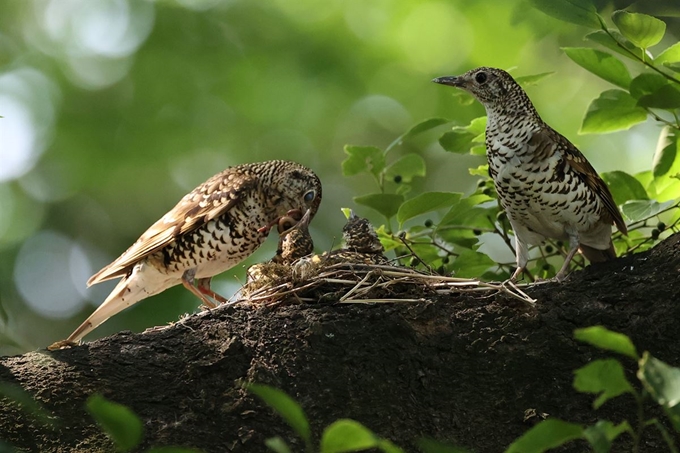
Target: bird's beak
point(448, 80)
point(304, 221)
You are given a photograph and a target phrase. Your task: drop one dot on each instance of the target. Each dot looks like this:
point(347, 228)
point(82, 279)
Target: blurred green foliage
point(112, 110)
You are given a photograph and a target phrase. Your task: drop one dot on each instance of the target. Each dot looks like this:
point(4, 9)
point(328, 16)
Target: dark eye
point(480, 77)
point(309, 196)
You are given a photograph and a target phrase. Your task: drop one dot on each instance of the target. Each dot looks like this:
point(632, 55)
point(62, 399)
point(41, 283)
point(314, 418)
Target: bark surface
point(474, 371)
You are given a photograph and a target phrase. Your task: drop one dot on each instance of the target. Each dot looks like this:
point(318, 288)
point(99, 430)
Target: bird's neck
point(515, 113)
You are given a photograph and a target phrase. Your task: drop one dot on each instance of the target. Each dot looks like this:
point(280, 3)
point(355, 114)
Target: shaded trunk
point(474, 371)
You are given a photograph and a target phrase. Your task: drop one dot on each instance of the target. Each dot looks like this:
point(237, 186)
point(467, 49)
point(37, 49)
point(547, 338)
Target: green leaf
point(601, 435)
point(670, 55)
point(607, 340)
point(285, 406)
point(667, 97)
point(363, 159)
point(666, 152)
point(117, 421)
point(347, 435)
point(385, 203)
point(432, 446)
point(462, 139)
point(470, 264)
point(604, 378)
point(426, 202)
point(408, 167)
point(530, 80)
point(457, 141)
point(424, 126)
point(646, 83)
point(602, 64)
point(624, 187)
point(661, 380)
point(636, 210)
point(579, 12)
point(614, 110)
point(26, 402)
point(388, 447)
point(615, 41)
point(547, 434)
point(277, 444)
point(642, 30)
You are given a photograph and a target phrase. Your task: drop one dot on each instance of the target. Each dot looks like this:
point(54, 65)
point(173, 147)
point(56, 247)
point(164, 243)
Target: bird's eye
point(309, 196)
point(480, 77)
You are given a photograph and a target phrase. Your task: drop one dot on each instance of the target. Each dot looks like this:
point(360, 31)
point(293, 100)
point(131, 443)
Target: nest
point(313, 280)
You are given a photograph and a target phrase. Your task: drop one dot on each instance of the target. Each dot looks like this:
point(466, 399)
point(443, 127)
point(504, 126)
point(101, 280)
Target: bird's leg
point(521, 257)
point(573, 244)
point(203, 285)
point(188, 279)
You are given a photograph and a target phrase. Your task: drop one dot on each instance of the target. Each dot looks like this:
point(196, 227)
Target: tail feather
point(131, 289)
point(596, 255)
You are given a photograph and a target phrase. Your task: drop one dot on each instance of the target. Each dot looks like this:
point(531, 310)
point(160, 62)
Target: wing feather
point(585, 171)
point(208, 201)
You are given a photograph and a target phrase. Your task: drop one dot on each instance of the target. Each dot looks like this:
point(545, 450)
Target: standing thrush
point(545, 184)
point(211, 229)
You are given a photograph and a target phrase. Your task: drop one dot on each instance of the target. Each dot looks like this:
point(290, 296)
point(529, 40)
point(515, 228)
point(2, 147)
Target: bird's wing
point(208, 201)
point(580, 165)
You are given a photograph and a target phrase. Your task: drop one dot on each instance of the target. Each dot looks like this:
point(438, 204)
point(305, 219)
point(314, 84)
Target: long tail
point(130, 290)
point(598, 256)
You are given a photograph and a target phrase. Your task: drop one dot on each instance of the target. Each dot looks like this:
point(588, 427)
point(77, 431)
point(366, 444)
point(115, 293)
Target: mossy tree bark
point(474, 371)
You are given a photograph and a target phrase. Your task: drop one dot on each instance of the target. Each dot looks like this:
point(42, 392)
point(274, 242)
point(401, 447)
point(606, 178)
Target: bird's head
point(489, 85)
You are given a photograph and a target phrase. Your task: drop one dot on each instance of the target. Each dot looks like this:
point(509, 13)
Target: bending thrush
point(546, 186)
point(213, 228)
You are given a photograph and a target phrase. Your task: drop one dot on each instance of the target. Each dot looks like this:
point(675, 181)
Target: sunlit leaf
point(285, 406)
point(604, 378)
point(606, 339)
point(346, 435)
point(614, 110)
point(547, 434)
point(602, 64)
point(407, 167)
point(363, 159)
point(579, 12)
point(385, 203)
point(615, 41)
point(642, 30)
point(432, 446)
point(624, 187)
point(601, 435)
point(482, 170)
point(669, 55)
point(388, 447)
point(666, 152)
point(426, 202)
point(277, 445)
point(636, 210)
point(533, 79)
point(117, 421)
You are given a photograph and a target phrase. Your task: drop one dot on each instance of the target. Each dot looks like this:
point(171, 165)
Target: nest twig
point(359, 283)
